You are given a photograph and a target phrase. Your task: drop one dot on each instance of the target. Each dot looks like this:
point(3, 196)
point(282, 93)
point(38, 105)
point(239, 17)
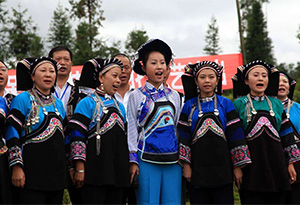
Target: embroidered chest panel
point(208, 124)
point(114, 119)
point(54, 124)
point(263, 124)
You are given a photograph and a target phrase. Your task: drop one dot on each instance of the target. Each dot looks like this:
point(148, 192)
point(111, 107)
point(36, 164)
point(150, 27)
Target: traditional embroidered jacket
point(3, 113)
point(107, 158)
point(271, 144)
point(152, 118)
point(36, 140)
point(212, 144)
point(294, 116)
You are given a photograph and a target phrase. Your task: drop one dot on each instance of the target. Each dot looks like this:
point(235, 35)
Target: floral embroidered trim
point(292, 153)
point(3, 149)
point(208, 124)
point(15, 156)
point(2, 112)
point(78, 150)
point(15, 119)
point(113, 119)
point(165, 115)
point(78, 123)
point(54, 124)
point(184, 123)
point(133, 157)
point(240, 155)
point(232, 122)
point(263, 122)
point(185, 153)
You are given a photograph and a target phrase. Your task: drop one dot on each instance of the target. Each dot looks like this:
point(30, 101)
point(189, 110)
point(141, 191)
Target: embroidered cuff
point(240, 155)
point(3, 149)
point(15, 156)
point(184, 153)
point(78, 150)
point(133, 157)
point(292, 153)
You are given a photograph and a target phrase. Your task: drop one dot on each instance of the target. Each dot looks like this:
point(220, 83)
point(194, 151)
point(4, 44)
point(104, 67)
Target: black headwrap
point(149, 46)
point(27, 67)
point(191, 73)
point(241, 89)
point(92, 68)
point(292, 84)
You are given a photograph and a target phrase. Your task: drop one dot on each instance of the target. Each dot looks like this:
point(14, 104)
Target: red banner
point(230, 62)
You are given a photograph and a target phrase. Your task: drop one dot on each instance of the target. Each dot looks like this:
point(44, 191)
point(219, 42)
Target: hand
point(187, 171)
point(18, 176)
point(72, 175)
point(79, 179)
point(292, 173)
point(238, 176)
point(133, 169)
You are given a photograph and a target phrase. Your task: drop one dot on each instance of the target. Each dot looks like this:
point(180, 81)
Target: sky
point(182, 23)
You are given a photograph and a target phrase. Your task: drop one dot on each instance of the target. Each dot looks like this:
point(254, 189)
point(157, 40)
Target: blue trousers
point(159, 183)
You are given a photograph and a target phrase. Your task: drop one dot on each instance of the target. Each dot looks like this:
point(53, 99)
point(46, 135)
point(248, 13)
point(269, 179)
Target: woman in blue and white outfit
point(98, 146)
point(35, 134)
point(153, 112)
point(292, 109)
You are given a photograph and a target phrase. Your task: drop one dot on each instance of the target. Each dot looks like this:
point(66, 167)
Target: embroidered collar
point(151, 88)
point(258, 98)
point(42, 96)
point(102, 93)
point(285, 102)
point(207, 99)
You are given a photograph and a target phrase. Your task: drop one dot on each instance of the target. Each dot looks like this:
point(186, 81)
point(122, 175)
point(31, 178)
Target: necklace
point(216, 111)
point(35, 119)
point(254, 112)
point(105, 111)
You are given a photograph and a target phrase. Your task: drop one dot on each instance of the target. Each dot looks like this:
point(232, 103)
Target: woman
point(292, 109)
point(98, 138)
point(153, 111)
point(268, 132)
point(212, 144)
point(35, 136)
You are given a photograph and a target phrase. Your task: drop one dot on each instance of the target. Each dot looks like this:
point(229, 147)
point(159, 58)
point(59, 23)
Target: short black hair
point(3, 63)
point(60, 48)
point(124, 55)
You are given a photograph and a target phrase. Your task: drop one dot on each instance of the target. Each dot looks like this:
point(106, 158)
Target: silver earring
point(101, 86)
point(216, 89)
point(198, 89)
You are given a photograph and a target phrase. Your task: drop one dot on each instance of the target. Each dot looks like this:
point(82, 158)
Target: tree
point(212, 38)
point(60, 32)
point(23, 40)
point(135, 39)
point(88, 11)
point(257, 43)
point(83, 51)
point(3, 34)
point(298, 33)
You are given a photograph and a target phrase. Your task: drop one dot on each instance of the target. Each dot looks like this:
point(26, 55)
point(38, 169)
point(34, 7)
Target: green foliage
point(212, 38)
point(23, 40)
point(135, 39)
point(4, 54)
point(83, 51)
point(246, 6)
point(257, 43)
point(60, 32)
point(298, 33)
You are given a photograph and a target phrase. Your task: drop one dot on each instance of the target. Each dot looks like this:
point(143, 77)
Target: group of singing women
point(211, 141)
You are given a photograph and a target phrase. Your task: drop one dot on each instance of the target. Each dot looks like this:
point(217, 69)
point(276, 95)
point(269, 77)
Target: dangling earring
point(216, 89)
point(198, 89)
point(101, 86)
